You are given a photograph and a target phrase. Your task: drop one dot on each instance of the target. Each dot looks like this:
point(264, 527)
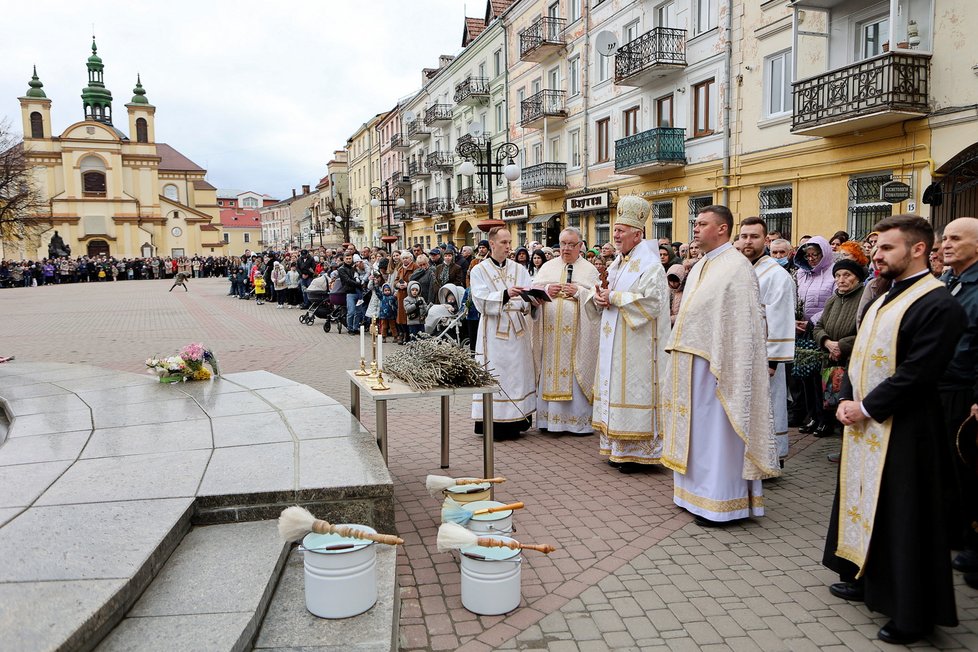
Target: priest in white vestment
point(718, 433)
point(778, 294)
point(504, 341)
point(634, 309)
point(566, 340)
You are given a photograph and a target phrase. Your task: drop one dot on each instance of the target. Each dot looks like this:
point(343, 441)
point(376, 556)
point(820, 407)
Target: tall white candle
point(363, 344)
point(380, 353)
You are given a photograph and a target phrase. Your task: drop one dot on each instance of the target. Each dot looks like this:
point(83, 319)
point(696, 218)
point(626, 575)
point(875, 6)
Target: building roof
point(208, 227)
point(473, 27)
point(229, 193)
point(247, 218)
point(171, 159)
point(496, 8)
point(200, 184)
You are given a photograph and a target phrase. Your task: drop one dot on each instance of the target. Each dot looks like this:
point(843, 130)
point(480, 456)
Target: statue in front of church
point(57, 247)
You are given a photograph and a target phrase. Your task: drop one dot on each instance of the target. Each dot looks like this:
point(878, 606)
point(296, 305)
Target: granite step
point(211, 595)
point(288, 626)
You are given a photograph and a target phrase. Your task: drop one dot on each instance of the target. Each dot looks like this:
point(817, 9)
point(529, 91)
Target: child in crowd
point(415, 308)
point(259, 289)
point(387, 312)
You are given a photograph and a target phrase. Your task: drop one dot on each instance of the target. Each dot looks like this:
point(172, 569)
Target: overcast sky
point(259, 93)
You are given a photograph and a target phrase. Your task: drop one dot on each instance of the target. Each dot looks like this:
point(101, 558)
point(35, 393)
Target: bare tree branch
point(342, 210)
point(19, 194)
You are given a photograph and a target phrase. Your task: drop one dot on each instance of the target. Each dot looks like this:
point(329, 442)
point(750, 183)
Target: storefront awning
point(540, 219)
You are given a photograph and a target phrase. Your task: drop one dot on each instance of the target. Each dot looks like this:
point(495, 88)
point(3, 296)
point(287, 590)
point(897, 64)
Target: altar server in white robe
point(718, 429)
point(504, 341)
point(778, 298)
point(566, 340)
point(634, 329)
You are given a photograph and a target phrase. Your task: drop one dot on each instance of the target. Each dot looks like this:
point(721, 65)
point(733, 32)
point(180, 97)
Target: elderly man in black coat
point(888, 533)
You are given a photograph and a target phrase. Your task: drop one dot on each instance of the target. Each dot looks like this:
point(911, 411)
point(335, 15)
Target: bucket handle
point(338, 546)
point(518, 560)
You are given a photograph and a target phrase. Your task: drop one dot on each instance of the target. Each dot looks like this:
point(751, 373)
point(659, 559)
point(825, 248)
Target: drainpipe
point(728, 64)
point(585, 87)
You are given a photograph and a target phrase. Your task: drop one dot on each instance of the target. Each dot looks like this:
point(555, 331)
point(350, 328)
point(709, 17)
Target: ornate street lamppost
point(489, 166)
point(387, 198)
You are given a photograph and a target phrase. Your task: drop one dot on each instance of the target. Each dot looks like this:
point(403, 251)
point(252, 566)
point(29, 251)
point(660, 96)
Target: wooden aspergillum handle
point(500, 508)
point(489, 542)
point(324, 527)
point(464, 481)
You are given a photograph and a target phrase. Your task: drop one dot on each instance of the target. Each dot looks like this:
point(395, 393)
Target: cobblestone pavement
point(632, 571)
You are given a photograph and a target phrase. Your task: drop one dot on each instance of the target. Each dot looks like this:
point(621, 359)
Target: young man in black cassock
point(888, 533)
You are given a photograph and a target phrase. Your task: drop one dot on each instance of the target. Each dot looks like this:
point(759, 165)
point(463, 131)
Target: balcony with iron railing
point(471, 90)
point(650, 151)
point(444, 161)
point(398, 179)
point(538, 107)
point(478, 141)
point(542, 39)
point(471, 197)
point(418, 130)
point(439, 205)
point(888, 88)
point(544, 178)
point(400, 142)
point(417, 170)
point(419, 209)
point(437, 113)
point(652, 55)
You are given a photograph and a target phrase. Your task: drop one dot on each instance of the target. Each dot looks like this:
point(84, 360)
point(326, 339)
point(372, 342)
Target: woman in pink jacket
point(815, 285)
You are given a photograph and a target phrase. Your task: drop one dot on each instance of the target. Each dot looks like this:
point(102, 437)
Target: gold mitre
point(633, 211)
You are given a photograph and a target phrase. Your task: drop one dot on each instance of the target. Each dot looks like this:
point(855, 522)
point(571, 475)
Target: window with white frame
point(170, 192)
point(500, 120)
point(555, 149)
point(482, 69)
point(662, 219)
point(574, 76)
point(603, 67)
point(777, 84)
point(247, 238)
point(575, 148)
point(573, 10)
point(665, 14)
point(227, 237)
point(704, 111)
point(776, 210)
point(872, 34)
point(630, 33)
point(696, 204)
point(705, 17)
point(538, 153)
point(497, 63)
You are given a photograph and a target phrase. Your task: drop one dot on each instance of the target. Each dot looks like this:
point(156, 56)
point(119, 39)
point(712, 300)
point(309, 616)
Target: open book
point(537, 293)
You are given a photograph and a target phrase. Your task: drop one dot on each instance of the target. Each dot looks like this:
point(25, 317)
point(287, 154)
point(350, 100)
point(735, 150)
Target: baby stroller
point(336, 312)
point(444, 319)
point(318, 294)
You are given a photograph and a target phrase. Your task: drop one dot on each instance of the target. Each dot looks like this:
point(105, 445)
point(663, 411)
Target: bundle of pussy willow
point(428, 362)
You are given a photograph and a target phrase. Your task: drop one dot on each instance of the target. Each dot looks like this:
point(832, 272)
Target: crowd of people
point(94, 269)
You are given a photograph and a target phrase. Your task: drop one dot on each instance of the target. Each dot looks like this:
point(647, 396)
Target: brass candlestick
point(373, 353)
point(363, 369)
point(380, 386)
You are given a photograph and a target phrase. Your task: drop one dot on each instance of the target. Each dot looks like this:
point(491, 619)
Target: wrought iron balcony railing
point(469, 138)
point(543, 38)
point(418, 130)
point(653, 54)
point(398, 179)
point(545, 104)
point(471, 88)
point(399, 141)
point(417, 170)
point(888, 88)
point(439, 205)
point(471, 197)
point(419, 209)
point(648, 150)
point(438, 113)
point(543, 176)
point(440, 161)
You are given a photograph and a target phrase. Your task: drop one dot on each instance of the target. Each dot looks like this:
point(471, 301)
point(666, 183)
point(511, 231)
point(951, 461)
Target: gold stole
point(558, 384)
point(511, 316)
point(864, 445)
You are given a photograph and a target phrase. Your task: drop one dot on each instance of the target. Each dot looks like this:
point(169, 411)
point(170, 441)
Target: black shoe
point(808, 428)
point(971, 579)
point(890, 633)
point(851, 591)
point(614, 465)
point(824, 430)
point(630, 467)
point(966, 561)
point(705, 522)
point(834, 457)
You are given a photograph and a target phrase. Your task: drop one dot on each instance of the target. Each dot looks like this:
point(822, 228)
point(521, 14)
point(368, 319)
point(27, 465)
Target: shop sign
point(442, 227)
point(596, 202)
point(675, 190)
point(511, 213)
point(894, 192)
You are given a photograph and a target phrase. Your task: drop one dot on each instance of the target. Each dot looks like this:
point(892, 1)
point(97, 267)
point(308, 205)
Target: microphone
point(570, 273)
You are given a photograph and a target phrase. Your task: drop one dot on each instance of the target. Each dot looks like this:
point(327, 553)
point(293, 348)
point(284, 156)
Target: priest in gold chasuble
point(716, 404)
point(634, 312)
point(566, 340)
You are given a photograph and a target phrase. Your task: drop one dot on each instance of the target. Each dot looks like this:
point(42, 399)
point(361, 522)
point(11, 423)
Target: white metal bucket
point(500, 523)
point(343, 582)
point(467, 493)
point(491, 579)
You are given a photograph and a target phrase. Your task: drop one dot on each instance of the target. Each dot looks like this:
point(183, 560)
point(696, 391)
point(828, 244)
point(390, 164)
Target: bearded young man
point(634, 313)
point(718, 432)
point(887, 536)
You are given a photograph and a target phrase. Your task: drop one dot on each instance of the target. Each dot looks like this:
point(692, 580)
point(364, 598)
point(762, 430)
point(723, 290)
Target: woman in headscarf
point(401, 279)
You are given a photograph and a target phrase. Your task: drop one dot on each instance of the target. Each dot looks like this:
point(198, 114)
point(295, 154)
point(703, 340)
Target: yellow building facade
point(108, 193)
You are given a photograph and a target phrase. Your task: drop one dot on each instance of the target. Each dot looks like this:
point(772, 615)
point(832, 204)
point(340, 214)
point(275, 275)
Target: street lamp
point(387, 198)
point(488, 166)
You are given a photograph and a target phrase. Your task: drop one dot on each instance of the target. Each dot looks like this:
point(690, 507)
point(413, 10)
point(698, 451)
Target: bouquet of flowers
point(188, 364)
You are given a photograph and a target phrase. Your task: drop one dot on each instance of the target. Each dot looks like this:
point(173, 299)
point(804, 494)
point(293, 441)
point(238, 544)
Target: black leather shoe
point(630, 467)
point(614, 465)
point(808, 428)
point(971, 579)
point(966, 561)
point(850, 591)
point(705, 522)
point(824, 430)
point(890, 633)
